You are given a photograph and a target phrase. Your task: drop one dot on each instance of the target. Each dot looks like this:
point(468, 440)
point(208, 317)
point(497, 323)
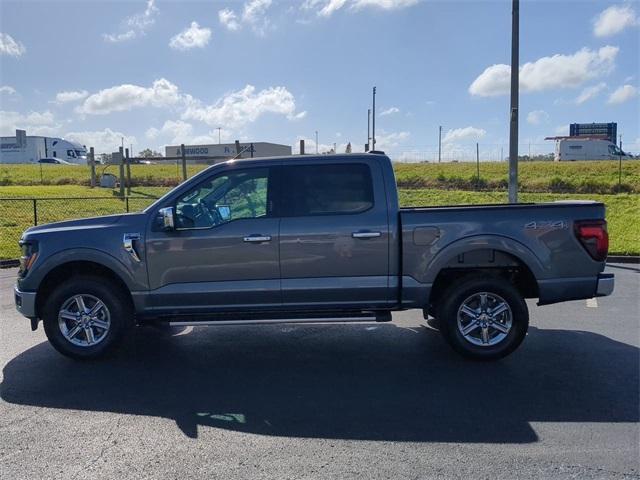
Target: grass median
point(555, 177)
point(623, 210)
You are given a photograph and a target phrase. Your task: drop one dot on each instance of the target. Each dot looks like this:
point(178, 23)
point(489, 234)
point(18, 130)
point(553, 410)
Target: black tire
point(497, 289)
point(118, 308)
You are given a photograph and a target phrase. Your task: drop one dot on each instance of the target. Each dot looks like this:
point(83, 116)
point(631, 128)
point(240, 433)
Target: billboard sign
point(21, 138)
point(609, 130)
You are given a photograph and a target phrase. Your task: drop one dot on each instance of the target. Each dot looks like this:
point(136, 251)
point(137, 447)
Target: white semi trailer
point(577, 148)
point(30, 149)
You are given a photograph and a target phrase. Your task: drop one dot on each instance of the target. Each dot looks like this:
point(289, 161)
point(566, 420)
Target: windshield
point(81, 153)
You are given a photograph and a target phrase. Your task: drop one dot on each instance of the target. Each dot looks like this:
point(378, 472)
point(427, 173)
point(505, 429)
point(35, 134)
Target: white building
point(224, 151)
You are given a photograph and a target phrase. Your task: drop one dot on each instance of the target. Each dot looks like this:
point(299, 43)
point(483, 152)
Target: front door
point(334, 235)
point(223, 253)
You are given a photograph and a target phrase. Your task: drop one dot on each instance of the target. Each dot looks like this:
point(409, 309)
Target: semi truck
point(30, 149)
point(315, 239)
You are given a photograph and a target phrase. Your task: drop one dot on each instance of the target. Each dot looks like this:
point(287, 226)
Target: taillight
point(594, 237)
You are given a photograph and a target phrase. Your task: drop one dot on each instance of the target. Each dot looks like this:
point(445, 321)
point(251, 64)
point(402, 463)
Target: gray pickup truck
point(308, 239)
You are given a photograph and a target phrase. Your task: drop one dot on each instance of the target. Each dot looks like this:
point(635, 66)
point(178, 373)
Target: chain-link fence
point(18, 214)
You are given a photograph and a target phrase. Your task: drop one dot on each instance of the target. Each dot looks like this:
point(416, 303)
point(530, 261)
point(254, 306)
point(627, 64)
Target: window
point(326, 189)
point(223, 198)
point(71, 154)
point(575, 147)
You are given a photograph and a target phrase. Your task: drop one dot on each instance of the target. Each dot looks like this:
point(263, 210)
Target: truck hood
point(83, 224)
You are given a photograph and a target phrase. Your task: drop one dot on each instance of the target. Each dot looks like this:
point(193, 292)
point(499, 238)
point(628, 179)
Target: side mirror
point(166, 215)
point(224, 211)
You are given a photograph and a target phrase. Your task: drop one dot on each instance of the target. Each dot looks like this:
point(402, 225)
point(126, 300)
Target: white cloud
point(614, 20)
point(119, 37)
point(388, 140)
point(244, 106)
point(177, 131)
point(254, 14)
point(135, 25)
point(326, 8)
point(35, 123)
point(557, 71)
point(536, 117)
point(464, 134)
point(622, 94)
point(9, 46)
point(590, 92)
point(562, 130)
point(7, 90)
point(71, 96)
point(191, 37)
point(104, 141)
point(125, 97)
point(384, 4)
point(229, 19)
point(389, 111)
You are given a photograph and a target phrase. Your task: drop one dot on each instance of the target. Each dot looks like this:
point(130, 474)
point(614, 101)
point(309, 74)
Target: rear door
point(334, 235)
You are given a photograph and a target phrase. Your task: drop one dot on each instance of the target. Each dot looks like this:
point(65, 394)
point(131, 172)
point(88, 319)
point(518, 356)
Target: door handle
point(366, 234)
point(257, 238)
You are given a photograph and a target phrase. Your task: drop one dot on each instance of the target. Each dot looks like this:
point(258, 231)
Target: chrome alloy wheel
point(84, 320)
point(484, 319)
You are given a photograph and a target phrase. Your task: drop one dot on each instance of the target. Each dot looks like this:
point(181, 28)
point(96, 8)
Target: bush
point(560, 185)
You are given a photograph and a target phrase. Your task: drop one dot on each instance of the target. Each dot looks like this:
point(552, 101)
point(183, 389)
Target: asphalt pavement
point(339, 401)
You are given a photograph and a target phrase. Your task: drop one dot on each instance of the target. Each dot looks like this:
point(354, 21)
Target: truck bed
point(541, 235)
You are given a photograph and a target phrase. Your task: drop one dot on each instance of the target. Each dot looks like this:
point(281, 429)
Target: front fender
point(35, 277)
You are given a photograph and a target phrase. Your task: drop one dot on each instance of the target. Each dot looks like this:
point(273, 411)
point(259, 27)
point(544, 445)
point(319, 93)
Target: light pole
point(513, 130)
point(439, 143)
point(316, 142)
point(373, 123)
point(219, 129)
point(368, 129)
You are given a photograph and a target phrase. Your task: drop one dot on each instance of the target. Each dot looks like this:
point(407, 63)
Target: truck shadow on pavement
point(362, 382)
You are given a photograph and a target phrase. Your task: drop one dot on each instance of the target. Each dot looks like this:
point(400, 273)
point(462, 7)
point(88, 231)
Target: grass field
point(623, 210)
point(554, 177)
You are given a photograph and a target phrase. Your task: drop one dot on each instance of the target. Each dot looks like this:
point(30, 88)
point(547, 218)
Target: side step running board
point(364, 318)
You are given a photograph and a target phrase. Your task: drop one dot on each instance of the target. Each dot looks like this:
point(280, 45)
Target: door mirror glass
point(166, 218)
point(224, 211)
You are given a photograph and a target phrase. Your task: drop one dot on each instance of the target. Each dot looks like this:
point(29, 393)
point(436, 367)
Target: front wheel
point(86, 317)
point(483, 317)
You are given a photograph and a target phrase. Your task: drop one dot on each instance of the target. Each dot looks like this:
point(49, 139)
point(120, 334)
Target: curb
point(9, 263)
point(623, 259)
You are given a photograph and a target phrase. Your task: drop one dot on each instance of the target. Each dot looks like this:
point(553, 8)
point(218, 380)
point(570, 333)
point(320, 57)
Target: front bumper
point(25, 302)
point(605, 284)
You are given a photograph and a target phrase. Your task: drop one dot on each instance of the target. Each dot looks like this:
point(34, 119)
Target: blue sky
point(162, 73)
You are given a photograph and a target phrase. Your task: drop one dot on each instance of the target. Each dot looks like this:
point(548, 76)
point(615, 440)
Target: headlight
point(29, 255)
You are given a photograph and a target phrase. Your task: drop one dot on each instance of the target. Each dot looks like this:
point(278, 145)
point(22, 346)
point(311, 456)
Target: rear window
point(326, 189)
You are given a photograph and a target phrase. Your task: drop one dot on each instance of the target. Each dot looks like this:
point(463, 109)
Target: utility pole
point(316, 142)
point(368, 129)
point(515, 78)
point(219, 128)
point(373, 123)
point(439, 143)
point(477, 166)
point(620, 163)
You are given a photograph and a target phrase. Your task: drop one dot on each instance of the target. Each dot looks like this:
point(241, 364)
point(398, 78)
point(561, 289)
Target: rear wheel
point(86, 317)
point(483, 318)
